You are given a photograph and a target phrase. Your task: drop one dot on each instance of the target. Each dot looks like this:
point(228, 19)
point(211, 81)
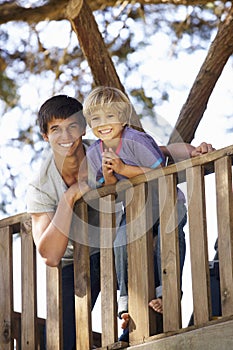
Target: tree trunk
point(192, 111)
point(96, 53)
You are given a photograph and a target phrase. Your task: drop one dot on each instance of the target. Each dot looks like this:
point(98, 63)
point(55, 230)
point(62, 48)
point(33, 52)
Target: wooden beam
point(107, 268)
point(170, 262)
point(6, 288)
point(212, 337)
point(198, 244)
point(29, 290)
point(225, 232)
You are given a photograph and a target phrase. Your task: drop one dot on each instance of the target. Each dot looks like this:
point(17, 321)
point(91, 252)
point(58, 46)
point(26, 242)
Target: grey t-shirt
point(43, 195)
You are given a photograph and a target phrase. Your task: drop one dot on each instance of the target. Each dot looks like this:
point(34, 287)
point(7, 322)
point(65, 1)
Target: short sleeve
point(146, 151)
point(39, 201)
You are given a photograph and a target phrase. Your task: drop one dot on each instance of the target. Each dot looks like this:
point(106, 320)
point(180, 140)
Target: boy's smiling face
point(64, 135)
point(105, 124)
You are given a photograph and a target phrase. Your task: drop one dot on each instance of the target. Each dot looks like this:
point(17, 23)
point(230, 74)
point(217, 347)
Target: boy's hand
point(77, 190)
point(112, 162)
point(202, 149)
point(109, 177)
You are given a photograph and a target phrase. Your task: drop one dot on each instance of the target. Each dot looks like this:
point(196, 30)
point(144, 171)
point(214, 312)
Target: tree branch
point(96, 53)
point(192, 111)
point(56, 9)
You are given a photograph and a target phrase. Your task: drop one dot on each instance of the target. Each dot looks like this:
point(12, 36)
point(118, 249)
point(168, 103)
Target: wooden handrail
point(23, 327)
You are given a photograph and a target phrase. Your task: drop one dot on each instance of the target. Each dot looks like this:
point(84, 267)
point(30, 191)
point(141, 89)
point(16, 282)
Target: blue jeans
point(121, 265)
point(69, 334)
point(121, 261)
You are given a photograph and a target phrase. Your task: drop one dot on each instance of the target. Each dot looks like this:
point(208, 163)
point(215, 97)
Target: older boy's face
point(64, 135)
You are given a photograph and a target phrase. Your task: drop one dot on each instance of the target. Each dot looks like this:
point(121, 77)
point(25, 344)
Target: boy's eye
point(93, 119)
point(73, 126)
point(54, 129)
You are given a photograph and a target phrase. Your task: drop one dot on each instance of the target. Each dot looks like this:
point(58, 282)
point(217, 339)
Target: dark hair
point(60, 107)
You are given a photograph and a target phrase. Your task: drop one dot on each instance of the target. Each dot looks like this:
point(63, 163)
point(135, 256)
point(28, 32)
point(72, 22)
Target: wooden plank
point(6, 287)
point(82, 281)
point(225, 232)
point(14, 221)
point(108, 273)
point(212, 337)
point(29, 292)
point(140, 261)
point(198, 244)
point(170, 262)
point(16, 327)
point(205, 159)
point(54, 309)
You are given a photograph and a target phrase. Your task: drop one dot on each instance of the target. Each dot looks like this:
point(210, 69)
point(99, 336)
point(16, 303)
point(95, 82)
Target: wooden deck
point(24, 329)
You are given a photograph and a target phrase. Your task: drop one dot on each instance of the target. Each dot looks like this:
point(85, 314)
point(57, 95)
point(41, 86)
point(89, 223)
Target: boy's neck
point(72, 168)
point(114, 143)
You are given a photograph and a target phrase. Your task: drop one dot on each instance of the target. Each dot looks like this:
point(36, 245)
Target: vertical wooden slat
point(140, 261)
point(82, 282)
point(6, 288)
point(107, 268)
point(198, 244)
point(54, 309)
point(225, 232)
point(170, 262)
point(29, 295)
point(155, 321)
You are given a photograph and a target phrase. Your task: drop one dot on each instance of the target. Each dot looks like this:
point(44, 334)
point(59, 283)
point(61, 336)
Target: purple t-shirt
point(135, 148)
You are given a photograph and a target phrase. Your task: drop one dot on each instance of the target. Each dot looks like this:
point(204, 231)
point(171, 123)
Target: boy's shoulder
point(47, 174)
point(131, 133)
point(91, 144)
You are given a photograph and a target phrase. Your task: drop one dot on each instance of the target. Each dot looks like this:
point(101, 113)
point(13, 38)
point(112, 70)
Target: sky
point(213, 128)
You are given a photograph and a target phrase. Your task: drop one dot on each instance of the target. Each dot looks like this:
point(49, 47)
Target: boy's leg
point(68, 313)
point(95, 277)
point(121, 265)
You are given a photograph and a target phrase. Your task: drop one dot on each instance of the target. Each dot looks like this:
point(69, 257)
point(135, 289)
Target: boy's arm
point(129, 170)
point(51, 230)
point(112, 163)
point(109, 177)
point(181, 151)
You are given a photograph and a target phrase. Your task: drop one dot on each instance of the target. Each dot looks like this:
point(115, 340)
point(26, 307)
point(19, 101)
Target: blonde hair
point(113, 97)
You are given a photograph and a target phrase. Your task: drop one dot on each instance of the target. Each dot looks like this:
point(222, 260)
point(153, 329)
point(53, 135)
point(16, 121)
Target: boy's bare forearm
point(181, 151)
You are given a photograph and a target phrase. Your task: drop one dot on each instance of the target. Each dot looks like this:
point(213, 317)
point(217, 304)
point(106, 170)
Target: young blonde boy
point(122, 152)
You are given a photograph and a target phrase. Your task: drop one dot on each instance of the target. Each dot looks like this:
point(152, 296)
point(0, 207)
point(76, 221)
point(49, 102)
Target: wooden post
point(82, 282)
point(141, 287)
point(29, 292)
point(198, 244)
point(6, 288)
point(170, 261)
point(54, 339)
point(107, 268)
point(225, 231)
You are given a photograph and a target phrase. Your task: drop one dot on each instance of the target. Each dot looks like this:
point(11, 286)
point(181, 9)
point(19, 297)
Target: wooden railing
point(26, 330)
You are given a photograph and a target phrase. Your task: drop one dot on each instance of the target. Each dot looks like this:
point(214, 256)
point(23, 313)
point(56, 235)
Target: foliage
point(38, 60)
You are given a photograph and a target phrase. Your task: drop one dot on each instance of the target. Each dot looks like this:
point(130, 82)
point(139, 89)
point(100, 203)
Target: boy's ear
point(45, 137)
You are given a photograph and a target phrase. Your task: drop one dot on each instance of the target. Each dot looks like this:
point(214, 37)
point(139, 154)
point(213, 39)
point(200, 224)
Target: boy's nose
point(65, 133)
point(103, 121)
